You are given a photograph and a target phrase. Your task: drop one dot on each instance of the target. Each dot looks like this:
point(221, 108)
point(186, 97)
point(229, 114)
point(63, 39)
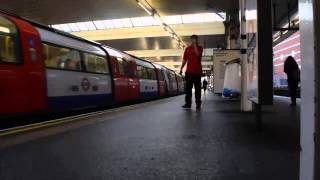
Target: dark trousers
point(193, 79)
point(293, 86)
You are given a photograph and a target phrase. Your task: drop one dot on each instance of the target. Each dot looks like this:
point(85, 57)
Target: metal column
point(246, 104)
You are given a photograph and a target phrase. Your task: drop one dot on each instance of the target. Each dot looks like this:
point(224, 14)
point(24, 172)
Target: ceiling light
point(90, 26)
point(276, 39)
point(4, 29)
point(57, 27)
point(276, 34)
point(108, 24)
point(65, 27)
point(145, 8)
point(74, 27)
point(82, 26)
point(99, 24)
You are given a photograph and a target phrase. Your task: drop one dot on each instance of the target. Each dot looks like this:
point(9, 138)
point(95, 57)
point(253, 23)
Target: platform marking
point(55, 122)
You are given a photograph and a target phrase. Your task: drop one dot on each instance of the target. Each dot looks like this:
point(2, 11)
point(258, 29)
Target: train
point(288, 47)
point(46, 70)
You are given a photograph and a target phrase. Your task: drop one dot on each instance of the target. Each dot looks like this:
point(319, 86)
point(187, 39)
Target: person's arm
point(184, 61)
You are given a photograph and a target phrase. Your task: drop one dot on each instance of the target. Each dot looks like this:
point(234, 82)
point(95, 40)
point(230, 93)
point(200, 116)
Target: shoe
point(186, 106)
point(198, 106)
point(293, 104)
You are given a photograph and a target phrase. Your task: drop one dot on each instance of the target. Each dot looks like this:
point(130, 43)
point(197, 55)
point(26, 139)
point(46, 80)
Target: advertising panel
point(220, 58)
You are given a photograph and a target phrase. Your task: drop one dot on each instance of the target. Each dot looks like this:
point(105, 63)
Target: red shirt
point(193, 56)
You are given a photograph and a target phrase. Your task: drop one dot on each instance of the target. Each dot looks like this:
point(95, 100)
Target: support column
point(232, 30)
point(309, 83)
point(246, 104)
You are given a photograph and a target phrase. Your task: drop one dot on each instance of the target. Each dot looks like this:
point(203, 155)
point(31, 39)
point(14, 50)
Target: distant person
point(192, 57)
point(292, 70)
point(204, 85)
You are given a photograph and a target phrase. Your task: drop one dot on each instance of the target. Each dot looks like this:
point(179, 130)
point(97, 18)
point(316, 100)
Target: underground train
point(43, 69)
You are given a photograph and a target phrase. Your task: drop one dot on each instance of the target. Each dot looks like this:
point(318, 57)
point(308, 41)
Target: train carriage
point(172, 82)
point(21, 69)
point(147, 79)
point(77, 73)
point(125, 76)
point(180, 82)
point(161, 80)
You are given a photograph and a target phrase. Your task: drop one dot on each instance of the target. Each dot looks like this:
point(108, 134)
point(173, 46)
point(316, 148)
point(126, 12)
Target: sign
point(220, 58)
point(85, 84)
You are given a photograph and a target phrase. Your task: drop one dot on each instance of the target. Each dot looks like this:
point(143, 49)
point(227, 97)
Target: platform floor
point(161, 141)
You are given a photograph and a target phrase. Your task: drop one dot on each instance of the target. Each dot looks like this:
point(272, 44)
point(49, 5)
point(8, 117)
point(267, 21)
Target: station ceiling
point(65, 11)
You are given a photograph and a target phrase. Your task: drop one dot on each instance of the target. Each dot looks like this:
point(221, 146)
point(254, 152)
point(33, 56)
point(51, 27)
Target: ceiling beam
point(213, 28)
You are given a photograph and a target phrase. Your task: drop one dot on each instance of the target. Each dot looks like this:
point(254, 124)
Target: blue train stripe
point(76, 102)
point(149, 95)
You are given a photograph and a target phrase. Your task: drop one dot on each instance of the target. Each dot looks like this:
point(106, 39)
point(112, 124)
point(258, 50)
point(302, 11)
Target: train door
point(22, 78)
point(173, 82)
point(133, 81)
point(166, 82)
point(161, 82)
point(121, 84)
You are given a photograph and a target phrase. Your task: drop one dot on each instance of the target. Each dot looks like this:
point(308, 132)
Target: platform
point(159, 140)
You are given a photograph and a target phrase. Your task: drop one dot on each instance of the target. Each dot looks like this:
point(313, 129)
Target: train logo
point(85, 84)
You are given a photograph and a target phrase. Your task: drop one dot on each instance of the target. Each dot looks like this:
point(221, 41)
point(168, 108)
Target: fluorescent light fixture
point(82, 26)
point(276, 34)
point(57, 27)
point(99, 24)
point(4, 29)
point(143, 21)
point(65, 27)
point(90, 26)
point(172, 19)
point(74, 27)
point(108, 24)
point(122, 23)
point(145, 8)
point(154, 20)
point(126, 22)
point(276, 39)
point(187, 19)
point(212, 17)
point(286, 25)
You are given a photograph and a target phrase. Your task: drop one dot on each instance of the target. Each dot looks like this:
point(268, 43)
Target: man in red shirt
point(192, 57)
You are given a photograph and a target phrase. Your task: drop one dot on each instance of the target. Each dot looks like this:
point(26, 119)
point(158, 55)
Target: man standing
point(192, 57)
point(204, 85)
point(292, 70)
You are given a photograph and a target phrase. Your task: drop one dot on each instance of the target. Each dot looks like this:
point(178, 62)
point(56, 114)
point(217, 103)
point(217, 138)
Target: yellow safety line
point(55, 122)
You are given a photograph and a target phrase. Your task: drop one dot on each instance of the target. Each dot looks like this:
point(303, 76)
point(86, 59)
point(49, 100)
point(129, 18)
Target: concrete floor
point(162, 141)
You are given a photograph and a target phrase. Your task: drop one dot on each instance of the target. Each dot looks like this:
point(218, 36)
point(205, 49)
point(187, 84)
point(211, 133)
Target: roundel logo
point(85, 84)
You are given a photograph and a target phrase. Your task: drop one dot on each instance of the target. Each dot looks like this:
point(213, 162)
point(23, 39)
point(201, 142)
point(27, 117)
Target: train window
point(61, 58)
point(139, 69)
point(122, 66)
point(161, 78)
point(152, 74)
point(96, 64)
point(9, 42)
point(143, 72)
point(131, 70)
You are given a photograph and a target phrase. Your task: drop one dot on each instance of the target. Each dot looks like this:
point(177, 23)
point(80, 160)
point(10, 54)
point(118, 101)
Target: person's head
point(290, 58)
point(194, 39)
